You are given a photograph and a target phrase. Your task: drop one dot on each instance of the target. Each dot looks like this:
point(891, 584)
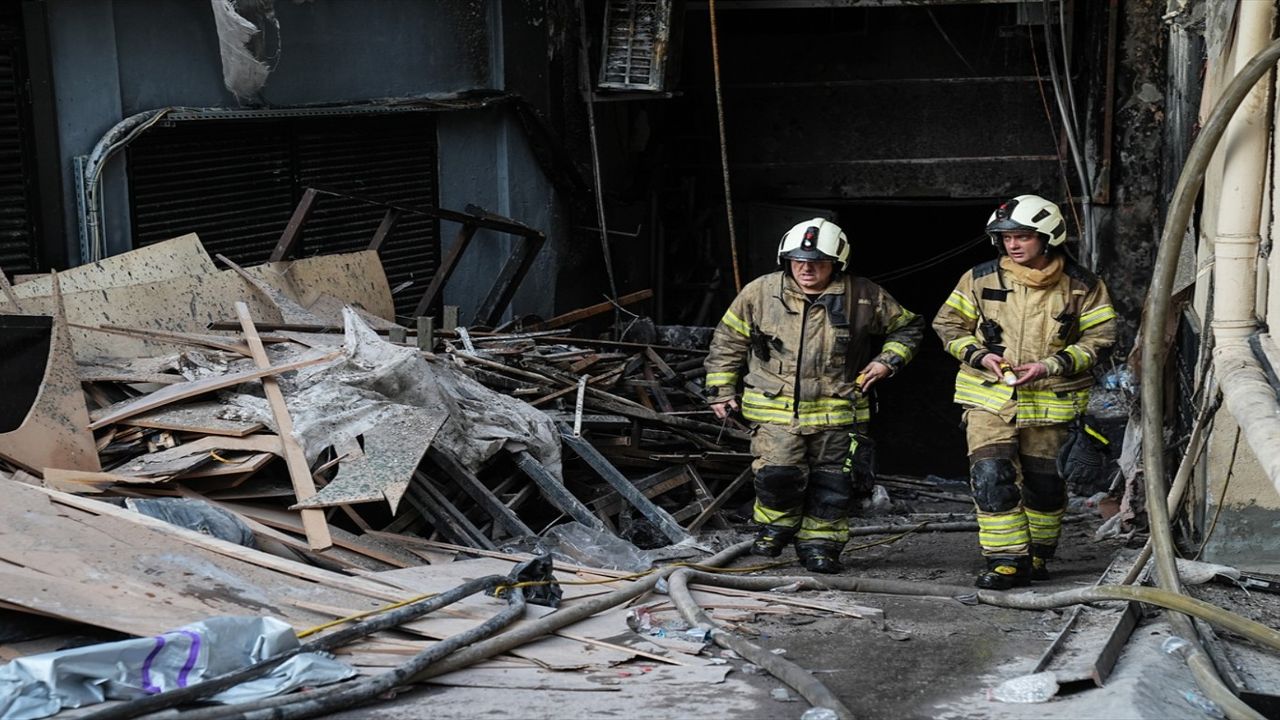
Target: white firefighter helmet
point(815, 240)
point(1028, 212)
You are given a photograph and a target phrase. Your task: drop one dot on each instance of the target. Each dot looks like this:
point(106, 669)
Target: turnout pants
point(1020, 498)
point(802, 491)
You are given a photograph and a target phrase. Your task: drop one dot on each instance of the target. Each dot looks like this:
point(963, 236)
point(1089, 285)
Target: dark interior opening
point(917, 251)
point(24, 353)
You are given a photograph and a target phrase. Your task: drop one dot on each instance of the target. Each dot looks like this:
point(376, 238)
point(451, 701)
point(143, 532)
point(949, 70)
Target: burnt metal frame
point(504, 286)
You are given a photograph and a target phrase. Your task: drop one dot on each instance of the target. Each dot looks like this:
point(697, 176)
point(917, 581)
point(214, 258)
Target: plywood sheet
point(139, 578)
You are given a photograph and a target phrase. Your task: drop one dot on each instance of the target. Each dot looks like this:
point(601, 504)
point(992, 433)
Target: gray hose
point(801, 680)
point(1028, 600)
point(561, 618)
point(1154, 349)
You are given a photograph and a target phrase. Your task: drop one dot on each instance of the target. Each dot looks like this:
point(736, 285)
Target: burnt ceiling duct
point(245, 45)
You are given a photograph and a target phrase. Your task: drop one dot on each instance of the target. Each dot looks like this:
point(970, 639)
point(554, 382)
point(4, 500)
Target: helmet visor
point(809, 255)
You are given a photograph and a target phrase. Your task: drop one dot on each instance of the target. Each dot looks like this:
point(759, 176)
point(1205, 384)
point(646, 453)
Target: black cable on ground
point(364, 628)
point(579, 610)
point(345, 696)
point(799, 679)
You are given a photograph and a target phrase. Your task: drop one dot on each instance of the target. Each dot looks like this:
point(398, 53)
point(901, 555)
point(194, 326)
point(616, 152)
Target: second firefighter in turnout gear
point(797, 352)
point(1027, 328)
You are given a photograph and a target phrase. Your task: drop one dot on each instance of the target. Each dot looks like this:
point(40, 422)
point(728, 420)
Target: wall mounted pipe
point(1155, 348)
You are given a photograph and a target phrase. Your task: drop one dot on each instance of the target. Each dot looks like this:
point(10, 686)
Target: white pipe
point(1252, 402)
point(1245, 146)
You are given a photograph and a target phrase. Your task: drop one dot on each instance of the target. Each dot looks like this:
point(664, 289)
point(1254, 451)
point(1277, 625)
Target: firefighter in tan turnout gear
point(804, 337)
point(1027, 328)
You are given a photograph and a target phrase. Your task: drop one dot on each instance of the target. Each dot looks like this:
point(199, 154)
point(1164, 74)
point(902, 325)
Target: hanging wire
point(930, 262)
point(1089, 242)
point(724, 148)
point(1048, 114)
point(584, 76)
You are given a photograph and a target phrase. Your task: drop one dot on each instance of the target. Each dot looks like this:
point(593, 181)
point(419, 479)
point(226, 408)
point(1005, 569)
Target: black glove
point(860, 465)
point(1083, 459)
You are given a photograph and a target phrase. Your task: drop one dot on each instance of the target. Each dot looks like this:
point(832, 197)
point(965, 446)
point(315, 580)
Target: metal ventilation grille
point(17, 237)
point(236, 184)
point(636, 34)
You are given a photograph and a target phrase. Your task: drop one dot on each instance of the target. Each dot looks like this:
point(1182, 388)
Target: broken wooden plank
point(197, 417)
point(313, 521)
point(293, 230)
point(720, 500)
point(591, 311)
point(174, 393)
point(654, 514)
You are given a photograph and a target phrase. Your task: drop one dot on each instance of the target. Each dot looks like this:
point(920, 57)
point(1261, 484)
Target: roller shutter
point(236, 183)
point(18, 253)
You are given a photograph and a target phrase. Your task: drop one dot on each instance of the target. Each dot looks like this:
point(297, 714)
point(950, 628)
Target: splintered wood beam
point(173, 393)
point(720, 500)
point(293, 230)
point(487, 500)
point(555, 491)
point(654, 514)
point(453, 521)
point(313, 520)
point(574, 316)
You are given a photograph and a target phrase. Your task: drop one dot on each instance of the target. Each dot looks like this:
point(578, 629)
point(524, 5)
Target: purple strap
point(193, 654)
point(147, 686)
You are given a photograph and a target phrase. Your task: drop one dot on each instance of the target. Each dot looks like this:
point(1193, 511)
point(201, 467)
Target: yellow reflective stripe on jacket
point(758, 407)
point(957, 347)
point(720, 379)
point(973, 391)
point(1096, 316)
point(898, 349)
point(1080, 359)
point(962, 305)
point(736, 324)
point(899, 322)
point(1049, 406)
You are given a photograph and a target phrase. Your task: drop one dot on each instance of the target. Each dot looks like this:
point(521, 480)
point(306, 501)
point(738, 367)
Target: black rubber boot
point(1040, 569)
point(1005, 573)
point(770, 541)
point(820, 559)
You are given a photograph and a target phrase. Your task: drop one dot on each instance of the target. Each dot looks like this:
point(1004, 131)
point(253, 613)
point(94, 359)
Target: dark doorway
point(917, 250)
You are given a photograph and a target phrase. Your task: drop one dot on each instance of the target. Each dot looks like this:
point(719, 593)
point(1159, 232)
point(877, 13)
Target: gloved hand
point(860, 465)
point(1082, 460)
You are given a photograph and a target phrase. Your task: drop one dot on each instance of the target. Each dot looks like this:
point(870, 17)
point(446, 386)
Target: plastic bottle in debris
point(819, 713)
point(880, 502)
point(1034, 688)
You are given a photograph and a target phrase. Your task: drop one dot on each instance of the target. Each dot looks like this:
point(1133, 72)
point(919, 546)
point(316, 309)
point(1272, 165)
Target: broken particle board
point(354, 278)
point(55, 429)
point(181, 256)
point(199, 417)
point(393, 448)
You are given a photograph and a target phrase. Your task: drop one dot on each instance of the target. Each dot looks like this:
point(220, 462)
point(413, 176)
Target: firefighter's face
point(812, 276)
point(1025, 248)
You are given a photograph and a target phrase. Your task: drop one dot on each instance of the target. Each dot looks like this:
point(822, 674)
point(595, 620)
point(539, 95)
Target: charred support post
point(470, 484)
point(555, 491)
point(661, 519)
point(293, 230)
